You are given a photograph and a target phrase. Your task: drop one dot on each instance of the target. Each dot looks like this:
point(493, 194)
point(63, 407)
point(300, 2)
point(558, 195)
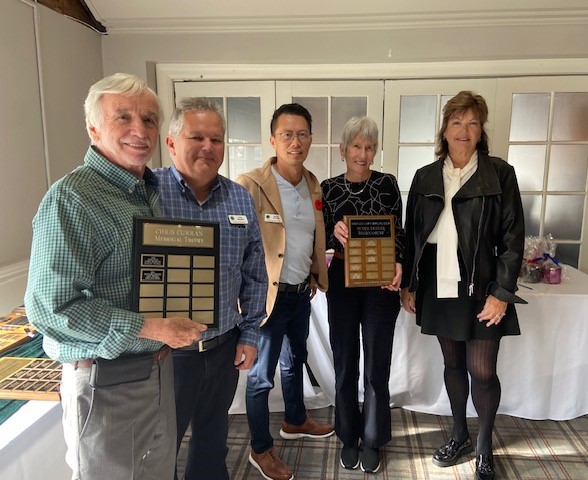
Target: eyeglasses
point(288, 137)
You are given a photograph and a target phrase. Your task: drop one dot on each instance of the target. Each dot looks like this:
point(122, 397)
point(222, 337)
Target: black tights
point(478, 357)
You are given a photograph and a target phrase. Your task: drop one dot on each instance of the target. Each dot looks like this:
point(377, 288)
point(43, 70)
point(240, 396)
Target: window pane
point(243, 120)
point(243, 159)
point(563, 216)
point(316, 162)
point(530, 117)
point(318, 108)
point(570, 117)
point(568, 253)
point(568, 166)
point(529, 164)
point(337, 165)
point(342, 109)
point(410, 159)
point(532, 209)
point(417, 118)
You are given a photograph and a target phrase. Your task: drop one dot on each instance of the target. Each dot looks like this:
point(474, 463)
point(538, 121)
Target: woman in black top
point(361, 191)
point(465, 236)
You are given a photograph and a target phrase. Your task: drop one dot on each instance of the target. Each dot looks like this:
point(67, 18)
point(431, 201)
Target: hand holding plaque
point(370, 253)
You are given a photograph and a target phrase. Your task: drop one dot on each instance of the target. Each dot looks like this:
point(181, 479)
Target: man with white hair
point(119, 414)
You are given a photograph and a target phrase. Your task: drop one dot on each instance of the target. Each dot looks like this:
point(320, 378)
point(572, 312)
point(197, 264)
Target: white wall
point(48, 63)
point(130, 52)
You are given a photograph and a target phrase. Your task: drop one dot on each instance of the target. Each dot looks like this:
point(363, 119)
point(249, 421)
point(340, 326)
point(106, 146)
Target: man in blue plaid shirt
point(206, 374)
point(121, 425)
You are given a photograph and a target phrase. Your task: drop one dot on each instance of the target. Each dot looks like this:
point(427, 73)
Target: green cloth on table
point(32, 349)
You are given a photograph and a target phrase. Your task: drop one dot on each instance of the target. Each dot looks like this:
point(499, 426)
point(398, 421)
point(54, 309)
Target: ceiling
point(174, 16)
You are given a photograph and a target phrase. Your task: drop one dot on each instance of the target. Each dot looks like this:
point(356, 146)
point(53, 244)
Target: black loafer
point(448, 454)
point(485, 468)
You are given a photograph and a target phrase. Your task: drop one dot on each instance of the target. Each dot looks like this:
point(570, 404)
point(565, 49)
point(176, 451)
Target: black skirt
point(455, 318)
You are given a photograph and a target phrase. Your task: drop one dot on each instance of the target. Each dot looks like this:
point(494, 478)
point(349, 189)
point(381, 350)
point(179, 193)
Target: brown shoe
point(270, 465)
point(308, 429)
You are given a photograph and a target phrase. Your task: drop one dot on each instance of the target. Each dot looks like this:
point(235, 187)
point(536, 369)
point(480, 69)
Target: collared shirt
point(243, 277)
point(299, 225)
point(79, 286)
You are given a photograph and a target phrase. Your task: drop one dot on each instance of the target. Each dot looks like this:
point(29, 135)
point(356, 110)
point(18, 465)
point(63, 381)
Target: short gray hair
point(193, 104)
point(117, 84)
point(365, 127)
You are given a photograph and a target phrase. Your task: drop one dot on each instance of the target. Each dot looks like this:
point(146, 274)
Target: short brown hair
point(461, 103)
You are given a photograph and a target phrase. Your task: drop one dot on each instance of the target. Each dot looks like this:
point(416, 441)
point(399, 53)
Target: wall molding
point(355, 22)
point(370, 71)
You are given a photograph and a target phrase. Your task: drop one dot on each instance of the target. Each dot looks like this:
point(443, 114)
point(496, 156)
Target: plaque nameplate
point(370, 253)
point(176, 269)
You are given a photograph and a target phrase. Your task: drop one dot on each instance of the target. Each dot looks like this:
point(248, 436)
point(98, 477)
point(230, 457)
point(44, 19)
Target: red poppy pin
point(318, 204)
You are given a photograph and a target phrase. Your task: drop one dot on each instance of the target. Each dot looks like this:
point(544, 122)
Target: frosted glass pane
point(342, 109)
point(532, 209)
point(563, 216)
point(568, 166)
point(568, 253)
point(316, 162)
point(529, 164)
point(337, 165)
point(417, 118)
point(319, 111)
point(243, 159)
point(570, 117)
point(243, 118)
point(404, 200)
point(530, 117)
point(410, 159)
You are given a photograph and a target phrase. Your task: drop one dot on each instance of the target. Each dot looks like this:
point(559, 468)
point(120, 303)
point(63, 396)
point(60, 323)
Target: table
point(542, 371)
point(542, 374)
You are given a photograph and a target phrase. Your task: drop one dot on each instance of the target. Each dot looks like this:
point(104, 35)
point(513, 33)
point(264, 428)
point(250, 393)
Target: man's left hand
point(244, 357)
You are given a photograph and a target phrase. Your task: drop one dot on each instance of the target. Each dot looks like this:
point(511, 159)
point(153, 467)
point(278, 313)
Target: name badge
point(238, 220)
point(273, 218)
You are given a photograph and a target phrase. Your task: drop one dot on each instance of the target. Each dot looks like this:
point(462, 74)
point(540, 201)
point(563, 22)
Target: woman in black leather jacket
point(464, 245)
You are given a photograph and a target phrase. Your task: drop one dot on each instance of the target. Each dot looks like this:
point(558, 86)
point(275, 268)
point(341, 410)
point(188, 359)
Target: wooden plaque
point(370, 253)
point(15, 329)
point(176, 269)
point(29, 378)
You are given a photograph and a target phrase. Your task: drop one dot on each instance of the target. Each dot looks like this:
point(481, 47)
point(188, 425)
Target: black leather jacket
point(490, 225)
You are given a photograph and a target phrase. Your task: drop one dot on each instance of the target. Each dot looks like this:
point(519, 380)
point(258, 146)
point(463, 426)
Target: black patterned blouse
point(379, 195)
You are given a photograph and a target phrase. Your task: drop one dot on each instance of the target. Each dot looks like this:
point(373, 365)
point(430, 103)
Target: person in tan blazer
point(288, 201)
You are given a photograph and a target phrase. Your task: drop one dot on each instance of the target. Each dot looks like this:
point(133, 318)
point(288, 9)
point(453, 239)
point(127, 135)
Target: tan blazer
point(263, 187)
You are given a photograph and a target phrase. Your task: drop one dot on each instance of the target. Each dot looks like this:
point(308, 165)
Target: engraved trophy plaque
point(370, 253)
point(176, 269)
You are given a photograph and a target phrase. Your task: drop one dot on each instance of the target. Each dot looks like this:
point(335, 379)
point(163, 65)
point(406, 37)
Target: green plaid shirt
point(79, 285)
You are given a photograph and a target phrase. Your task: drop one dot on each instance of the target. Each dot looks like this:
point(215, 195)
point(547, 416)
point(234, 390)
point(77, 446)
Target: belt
point(157, 357)
point(287, 288)
point(339, 255)
point(206, 345)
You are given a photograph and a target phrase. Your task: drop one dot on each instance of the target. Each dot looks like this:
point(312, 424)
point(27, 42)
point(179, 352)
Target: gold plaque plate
point(29, 378)
point(370, 253)
point(176, 269)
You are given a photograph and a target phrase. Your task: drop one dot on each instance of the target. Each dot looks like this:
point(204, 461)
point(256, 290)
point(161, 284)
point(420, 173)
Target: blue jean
point(282, 338)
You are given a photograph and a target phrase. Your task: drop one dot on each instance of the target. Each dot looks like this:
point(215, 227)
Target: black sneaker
point(448, 454)
point(350, 457)
point(370, 459)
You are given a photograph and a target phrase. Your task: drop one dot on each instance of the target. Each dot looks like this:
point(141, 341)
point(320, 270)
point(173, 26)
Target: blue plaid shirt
point(243, 277)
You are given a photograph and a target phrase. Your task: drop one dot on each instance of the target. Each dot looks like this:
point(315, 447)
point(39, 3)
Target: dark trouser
point(375, 310)
point(282, 338)
point(205, 384)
